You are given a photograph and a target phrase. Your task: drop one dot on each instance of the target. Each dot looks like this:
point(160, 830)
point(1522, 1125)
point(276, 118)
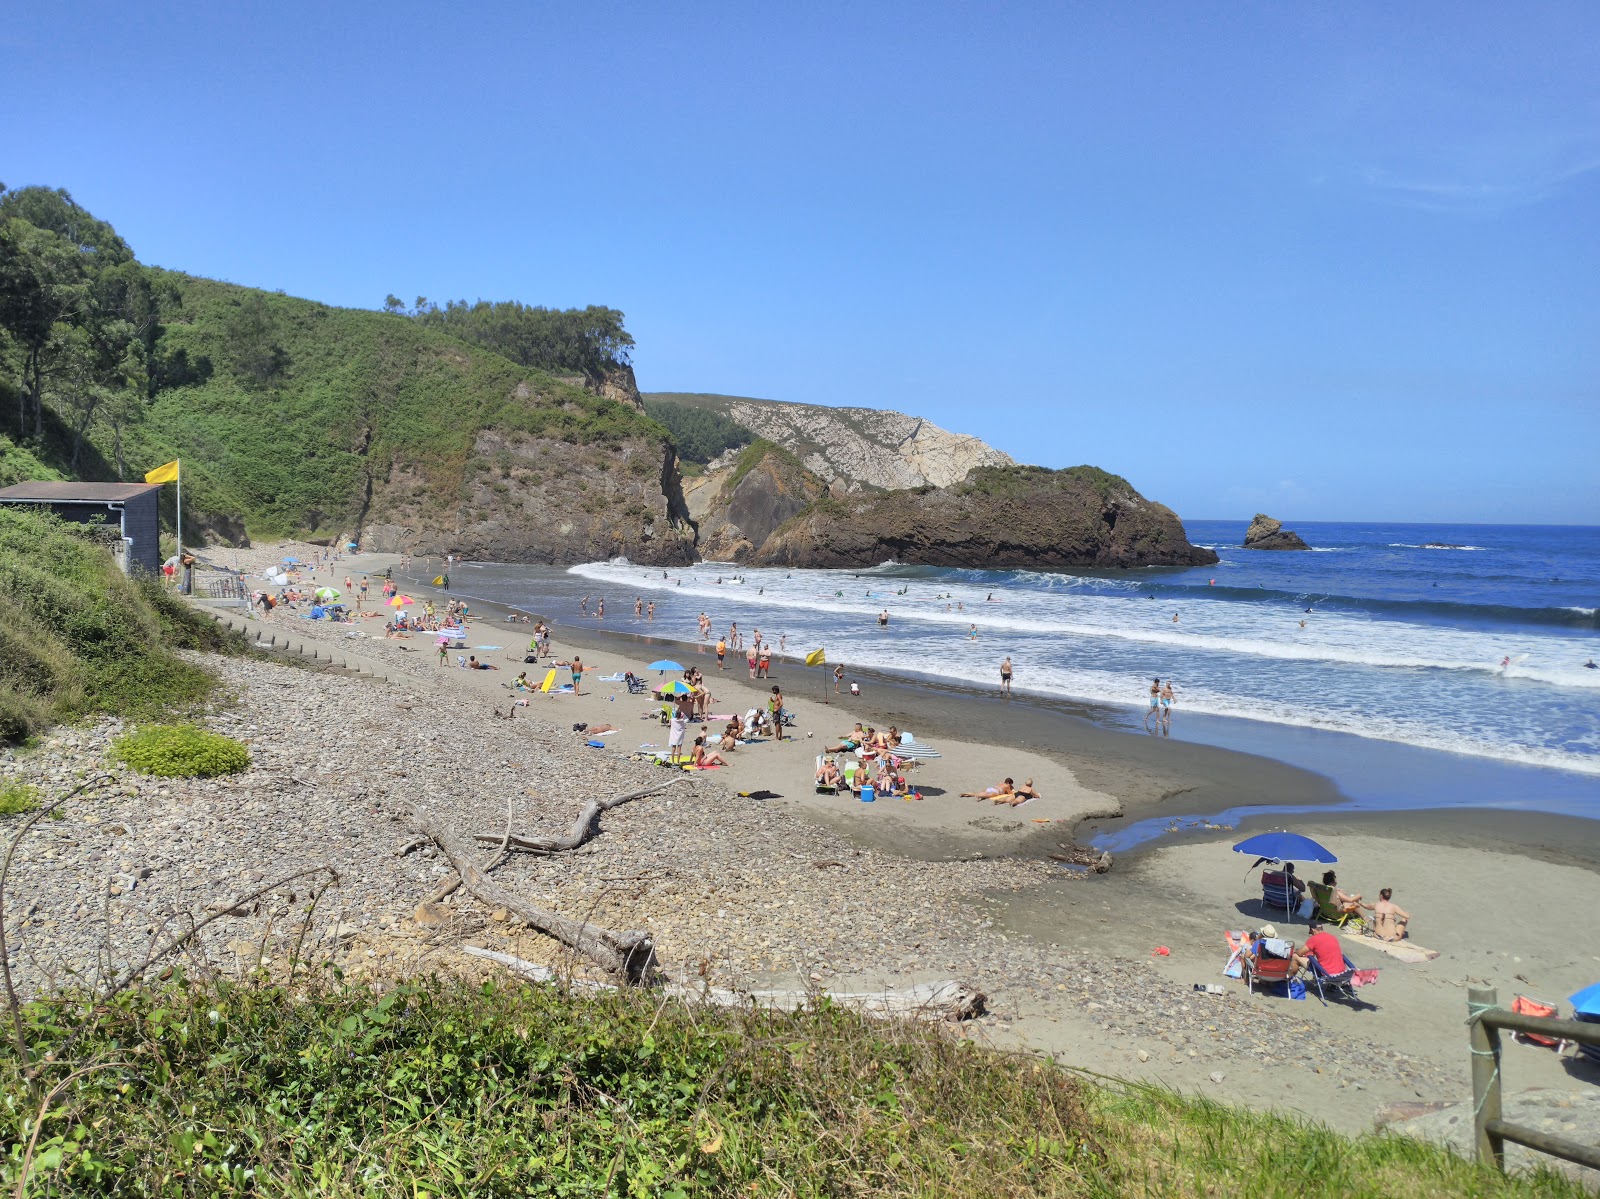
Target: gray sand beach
point(802, 889)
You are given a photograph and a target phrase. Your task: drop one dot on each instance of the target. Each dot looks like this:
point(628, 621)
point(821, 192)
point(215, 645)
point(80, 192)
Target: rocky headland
point(1265, 533)
point(1006, 517)
point(855, 449)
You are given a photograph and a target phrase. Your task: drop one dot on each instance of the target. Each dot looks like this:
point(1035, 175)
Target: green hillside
point(287, 413)
point(77, 636)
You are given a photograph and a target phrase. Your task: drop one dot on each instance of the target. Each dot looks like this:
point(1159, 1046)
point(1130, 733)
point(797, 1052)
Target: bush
point(17, 798)
point(180, 751)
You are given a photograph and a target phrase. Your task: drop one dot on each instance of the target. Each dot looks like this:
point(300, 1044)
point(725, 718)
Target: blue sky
point(1329, 261)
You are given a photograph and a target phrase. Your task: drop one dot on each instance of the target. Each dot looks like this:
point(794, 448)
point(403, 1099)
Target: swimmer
point(1590, 665)
point(1302, 624)
point(1174, 618)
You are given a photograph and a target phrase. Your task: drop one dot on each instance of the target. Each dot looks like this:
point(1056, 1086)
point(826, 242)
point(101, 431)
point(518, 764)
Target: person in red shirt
point(1324, 947)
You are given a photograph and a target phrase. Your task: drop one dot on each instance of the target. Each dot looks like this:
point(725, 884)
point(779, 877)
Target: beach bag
point(1307, 905)
point(1297, 989)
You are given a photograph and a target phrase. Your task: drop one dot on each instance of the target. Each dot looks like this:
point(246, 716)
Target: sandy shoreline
point(1068, 960)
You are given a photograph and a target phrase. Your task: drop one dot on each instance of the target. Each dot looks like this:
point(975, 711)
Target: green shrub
point(17, 798)
point(180, 751)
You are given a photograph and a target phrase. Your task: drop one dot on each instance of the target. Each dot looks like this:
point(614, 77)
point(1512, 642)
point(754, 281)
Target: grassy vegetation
point(77, 636)
point(699, 433)
point(18, 798)
point(180, 751)
point(442, 1088)
point(290, 440)
point(753, 455)
point(1016, 482)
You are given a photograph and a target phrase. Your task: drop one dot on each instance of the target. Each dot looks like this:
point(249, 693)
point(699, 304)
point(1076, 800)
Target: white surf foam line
point(1330, 637)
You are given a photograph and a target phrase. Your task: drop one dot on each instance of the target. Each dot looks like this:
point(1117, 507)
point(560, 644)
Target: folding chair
point(1258, 969)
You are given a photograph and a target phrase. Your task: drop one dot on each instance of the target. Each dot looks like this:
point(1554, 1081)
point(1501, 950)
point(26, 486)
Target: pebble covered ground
point(735, 891)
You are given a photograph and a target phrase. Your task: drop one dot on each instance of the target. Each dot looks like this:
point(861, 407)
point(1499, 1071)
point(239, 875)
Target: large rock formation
point(855, 449)
point(535, 499)
point(760, 489)
point(1268, 534)
point(1020, 516)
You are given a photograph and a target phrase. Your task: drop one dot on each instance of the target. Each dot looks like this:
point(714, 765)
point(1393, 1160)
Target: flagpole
point(180, 510)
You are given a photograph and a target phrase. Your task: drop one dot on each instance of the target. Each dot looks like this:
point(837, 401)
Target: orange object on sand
point(1523, 1006)
point(1161, 951)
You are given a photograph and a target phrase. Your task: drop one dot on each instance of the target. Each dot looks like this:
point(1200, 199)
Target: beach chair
point(635, 683)
point(1276, 891)
point(1328, 909)
point(1589, 1052)
point(1342, 983)
point(823, 788)
point(1266, 970)
point(1523, 1006)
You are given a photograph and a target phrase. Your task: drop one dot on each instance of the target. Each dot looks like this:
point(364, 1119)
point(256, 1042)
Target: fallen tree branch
point(628, 955)
point(949, 1000)
point(583, 829)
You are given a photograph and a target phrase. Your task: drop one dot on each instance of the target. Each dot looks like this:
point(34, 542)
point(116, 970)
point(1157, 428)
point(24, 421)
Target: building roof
point(66, 493)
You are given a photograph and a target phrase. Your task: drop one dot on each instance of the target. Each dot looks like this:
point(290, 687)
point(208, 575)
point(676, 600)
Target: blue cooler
point(868, 795)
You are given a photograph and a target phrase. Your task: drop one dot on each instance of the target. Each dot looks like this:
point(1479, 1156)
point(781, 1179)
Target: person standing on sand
point(1166, 706)
point(838, 678)
point(444, 654)
point(1155, 704)
point(722, 654)
point(1005, 677)
point(752, 659)
point(577, 674)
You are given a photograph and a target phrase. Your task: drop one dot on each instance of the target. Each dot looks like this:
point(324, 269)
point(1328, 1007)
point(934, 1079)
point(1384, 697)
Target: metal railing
point(1485, 1019)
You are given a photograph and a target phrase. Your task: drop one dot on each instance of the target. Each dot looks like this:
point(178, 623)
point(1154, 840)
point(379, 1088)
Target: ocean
point(1391, 633)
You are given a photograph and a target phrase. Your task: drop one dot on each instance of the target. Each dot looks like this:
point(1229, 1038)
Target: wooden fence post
point(1490, 1148)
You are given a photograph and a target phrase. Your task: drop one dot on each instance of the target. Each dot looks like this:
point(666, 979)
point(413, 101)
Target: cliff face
point(854, 449)
point(1012, 517)
point(538, 500)
point(763, 487)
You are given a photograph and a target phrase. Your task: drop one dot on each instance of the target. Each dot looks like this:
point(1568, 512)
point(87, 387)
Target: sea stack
point(1268, 534)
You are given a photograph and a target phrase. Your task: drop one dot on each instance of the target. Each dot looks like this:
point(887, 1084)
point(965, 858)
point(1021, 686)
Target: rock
point(1266, 533)
point(1217, 1076)
point(1144, 1055)
point(856, 449)
point(431, 915)
point(998, 517)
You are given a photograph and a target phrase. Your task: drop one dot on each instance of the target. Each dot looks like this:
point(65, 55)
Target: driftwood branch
point(583, 829)
point(948, 1000)
point(628, 955)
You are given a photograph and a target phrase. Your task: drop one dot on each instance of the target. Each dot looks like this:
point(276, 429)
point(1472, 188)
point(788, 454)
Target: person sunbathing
point(1343, 901)
point(1000, 793)
point(474, 664)
point(1022, 794)
point(520, 683)
point(828, 774)
point(702, 759)
point(850, 742)
point(1389, 918)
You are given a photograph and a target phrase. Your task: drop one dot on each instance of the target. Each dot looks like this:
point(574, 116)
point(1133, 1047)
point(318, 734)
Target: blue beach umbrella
point(665, 664)
point(1587, 1001)
point(1284, 847)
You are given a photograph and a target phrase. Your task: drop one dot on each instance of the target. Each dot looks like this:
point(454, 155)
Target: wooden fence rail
point(1485, 1019)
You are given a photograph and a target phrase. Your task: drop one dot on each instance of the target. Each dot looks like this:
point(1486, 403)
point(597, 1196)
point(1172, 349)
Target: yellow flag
point(816, 658)
point(163, 474)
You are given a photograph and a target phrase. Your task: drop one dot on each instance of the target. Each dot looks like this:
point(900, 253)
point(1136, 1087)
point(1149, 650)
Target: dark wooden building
point(131, 507)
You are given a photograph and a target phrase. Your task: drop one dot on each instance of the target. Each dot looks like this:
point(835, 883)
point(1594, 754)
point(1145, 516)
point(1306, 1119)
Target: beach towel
point(1234, 968)
point(1363, 978)
point(596, 744)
